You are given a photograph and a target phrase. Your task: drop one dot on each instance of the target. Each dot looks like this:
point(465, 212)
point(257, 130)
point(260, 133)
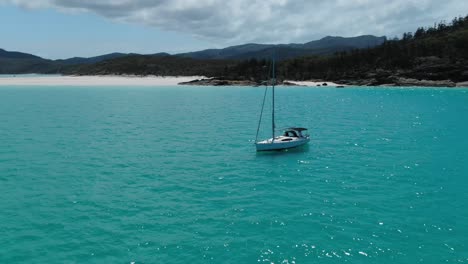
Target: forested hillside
point(436, 53)
point(154, 65)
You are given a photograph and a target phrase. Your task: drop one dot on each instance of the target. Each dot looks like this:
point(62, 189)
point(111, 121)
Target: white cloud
point(240, 21)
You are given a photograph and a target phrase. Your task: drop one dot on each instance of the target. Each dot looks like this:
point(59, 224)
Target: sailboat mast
point(273, 101)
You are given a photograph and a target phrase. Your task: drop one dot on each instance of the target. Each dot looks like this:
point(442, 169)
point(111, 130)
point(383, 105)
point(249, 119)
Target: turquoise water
point(170, 175)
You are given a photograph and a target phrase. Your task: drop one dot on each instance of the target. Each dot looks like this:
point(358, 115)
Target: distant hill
point(16, 55)
point(226, 53)
point(12, 62)
point(96, 59)
point(91, 60)
point(156, 64)
point(17, 62)
point(215, 62)
point(360, 42)
point(324, 46)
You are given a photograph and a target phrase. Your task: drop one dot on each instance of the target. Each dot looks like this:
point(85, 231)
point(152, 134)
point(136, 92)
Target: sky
point(59, 29)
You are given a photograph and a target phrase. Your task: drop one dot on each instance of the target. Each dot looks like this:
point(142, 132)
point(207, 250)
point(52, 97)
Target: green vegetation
point(434, 53)
point(153, 65)
point(28, 65)
point(208, 62)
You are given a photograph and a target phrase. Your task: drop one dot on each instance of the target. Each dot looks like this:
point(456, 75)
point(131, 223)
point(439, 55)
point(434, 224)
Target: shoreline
point(154, 81)
point(401, 82)
point(92, 80)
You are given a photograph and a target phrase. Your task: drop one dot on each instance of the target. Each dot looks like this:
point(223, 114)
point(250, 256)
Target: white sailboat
point(292, 136)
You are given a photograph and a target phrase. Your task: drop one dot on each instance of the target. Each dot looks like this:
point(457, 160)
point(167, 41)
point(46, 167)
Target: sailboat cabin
point(294, 132)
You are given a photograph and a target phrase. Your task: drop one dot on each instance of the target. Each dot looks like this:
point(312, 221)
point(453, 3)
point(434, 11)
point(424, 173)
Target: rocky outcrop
point(219, 82)
point(402, 81)
point(426, 71)
point(225, 82)
point(414, 82)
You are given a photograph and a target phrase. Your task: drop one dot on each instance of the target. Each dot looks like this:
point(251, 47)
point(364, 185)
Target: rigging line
point(261, 113)
point(273, 83)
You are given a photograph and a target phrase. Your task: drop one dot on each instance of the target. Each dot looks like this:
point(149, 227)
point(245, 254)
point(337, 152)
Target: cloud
point(239, 21)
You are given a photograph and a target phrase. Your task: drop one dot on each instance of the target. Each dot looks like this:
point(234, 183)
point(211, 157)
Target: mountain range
point(324, 46)
point(12, 62)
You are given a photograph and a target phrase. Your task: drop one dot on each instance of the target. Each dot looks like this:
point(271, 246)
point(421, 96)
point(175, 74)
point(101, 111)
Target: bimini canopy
point(296, 128)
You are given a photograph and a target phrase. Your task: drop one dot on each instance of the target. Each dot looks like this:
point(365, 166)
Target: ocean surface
point(170, 175)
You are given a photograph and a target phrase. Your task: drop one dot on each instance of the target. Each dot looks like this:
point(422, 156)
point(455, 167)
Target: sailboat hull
point(281, 142)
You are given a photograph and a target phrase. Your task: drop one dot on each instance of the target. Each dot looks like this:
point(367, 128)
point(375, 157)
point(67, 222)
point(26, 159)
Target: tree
point(420, 32)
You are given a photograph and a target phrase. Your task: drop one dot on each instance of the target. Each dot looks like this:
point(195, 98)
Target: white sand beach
point(114, 80)
point(57, 80)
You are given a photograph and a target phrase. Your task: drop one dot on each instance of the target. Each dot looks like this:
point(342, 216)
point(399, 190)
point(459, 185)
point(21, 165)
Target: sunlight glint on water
point(170, 175)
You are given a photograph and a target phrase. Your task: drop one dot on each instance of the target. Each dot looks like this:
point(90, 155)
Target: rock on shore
point(415, 82)
point(224, 82)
